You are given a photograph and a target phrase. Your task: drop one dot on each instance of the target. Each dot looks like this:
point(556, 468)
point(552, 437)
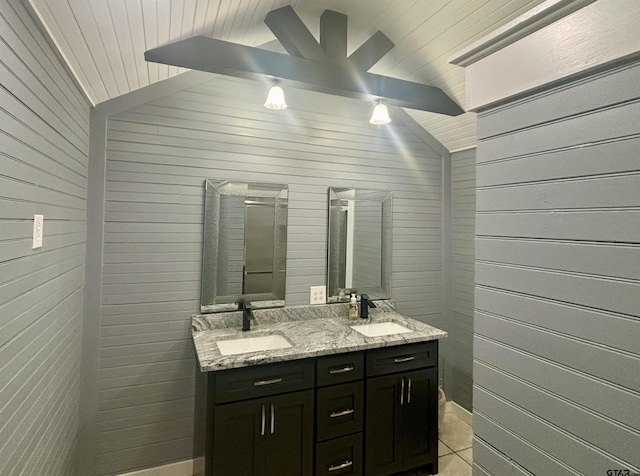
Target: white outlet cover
point(317, 295)
point(38, 231)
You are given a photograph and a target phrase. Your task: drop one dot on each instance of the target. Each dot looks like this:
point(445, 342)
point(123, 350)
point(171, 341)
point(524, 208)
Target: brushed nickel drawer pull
point(341, 370)
point(408, 358)
point(344, 465)
point(346, 412)
point(260, 383)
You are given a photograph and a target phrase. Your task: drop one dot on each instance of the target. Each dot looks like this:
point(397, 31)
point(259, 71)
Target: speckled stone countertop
point(313, 331)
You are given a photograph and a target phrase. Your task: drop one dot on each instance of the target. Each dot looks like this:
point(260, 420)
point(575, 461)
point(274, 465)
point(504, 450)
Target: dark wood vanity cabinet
point(267, 436)
point(401, 426)
point(340, 414)
point(263, 420)
point(371, 412)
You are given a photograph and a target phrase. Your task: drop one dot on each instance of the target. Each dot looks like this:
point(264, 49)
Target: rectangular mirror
point(359, 243)
point(245, 245)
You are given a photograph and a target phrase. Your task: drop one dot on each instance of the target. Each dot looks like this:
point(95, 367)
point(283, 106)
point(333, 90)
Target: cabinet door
point(290, 434)
point(383, 432)
point(420, 418)
point(238, 440)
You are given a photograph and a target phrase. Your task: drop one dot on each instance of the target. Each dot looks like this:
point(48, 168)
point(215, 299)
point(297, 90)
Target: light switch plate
point(317, 295)
point(38, 230)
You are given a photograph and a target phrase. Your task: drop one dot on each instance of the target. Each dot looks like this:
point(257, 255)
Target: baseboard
point(181, 468)
point(462, 413)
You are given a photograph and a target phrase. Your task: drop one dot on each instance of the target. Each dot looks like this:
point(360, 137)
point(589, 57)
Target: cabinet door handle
point(346, 412)
point(341, 370)
point(402, 393)
point(273, 419)
point(263, 419)
point(260, 383)
point(408, 358)
point(344, 465)
point(409, 391)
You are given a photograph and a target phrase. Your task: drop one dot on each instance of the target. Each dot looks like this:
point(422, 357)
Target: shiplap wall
point(463, 218)
point(158, 156)
point(44, 125)
point(557, 322)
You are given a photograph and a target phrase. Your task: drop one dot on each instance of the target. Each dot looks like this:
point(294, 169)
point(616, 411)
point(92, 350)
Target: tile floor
point(454, 448)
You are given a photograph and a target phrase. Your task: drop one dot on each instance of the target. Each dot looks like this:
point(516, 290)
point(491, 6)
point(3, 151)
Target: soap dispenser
point(353, 307)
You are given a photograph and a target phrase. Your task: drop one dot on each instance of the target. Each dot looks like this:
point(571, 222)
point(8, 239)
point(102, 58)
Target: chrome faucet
point(247, 313)
point(365, 304)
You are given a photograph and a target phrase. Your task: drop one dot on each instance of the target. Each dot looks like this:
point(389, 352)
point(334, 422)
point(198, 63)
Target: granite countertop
point(313, 331)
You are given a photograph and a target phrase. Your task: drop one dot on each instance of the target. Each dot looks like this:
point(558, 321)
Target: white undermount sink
point(253, 344)
point(381, 329)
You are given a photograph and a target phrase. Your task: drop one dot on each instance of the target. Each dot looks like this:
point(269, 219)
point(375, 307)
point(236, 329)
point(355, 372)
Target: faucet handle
point(365, 304)
point(364, 298)
point(247, 315)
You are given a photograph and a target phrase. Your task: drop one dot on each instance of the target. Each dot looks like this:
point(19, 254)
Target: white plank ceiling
point(104, 41)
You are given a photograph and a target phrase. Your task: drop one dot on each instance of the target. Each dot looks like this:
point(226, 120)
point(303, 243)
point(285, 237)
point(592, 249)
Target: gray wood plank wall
point(463, 217)
point(158, 156)
point(557, 319)
point(44, 125)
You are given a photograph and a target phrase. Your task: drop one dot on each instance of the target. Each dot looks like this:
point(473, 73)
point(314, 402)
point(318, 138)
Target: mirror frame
point(384, 198)
point(210, 302)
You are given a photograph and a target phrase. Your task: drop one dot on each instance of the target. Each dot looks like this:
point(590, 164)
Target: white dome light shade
point(275, 99)
point(380, 115)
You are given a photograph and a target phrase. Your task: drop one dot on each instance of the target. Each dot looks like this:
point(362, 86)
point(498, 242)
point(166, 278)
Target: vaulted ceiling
point(104, 41)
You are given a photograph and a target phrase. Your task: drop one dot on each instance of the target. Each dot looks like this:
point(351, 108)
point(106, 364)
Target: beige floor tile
point(451, 417)
point(443, 449)
point(453, 465)
point(466, 455)
point(455, 433)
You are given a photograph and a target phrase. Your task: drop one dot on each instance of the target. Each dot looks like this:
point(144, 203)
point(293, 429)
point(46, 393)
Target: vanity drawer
point(339, 410)
point(340, 457)
point(401, 358)
point(263, 380)
point(341, 368)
